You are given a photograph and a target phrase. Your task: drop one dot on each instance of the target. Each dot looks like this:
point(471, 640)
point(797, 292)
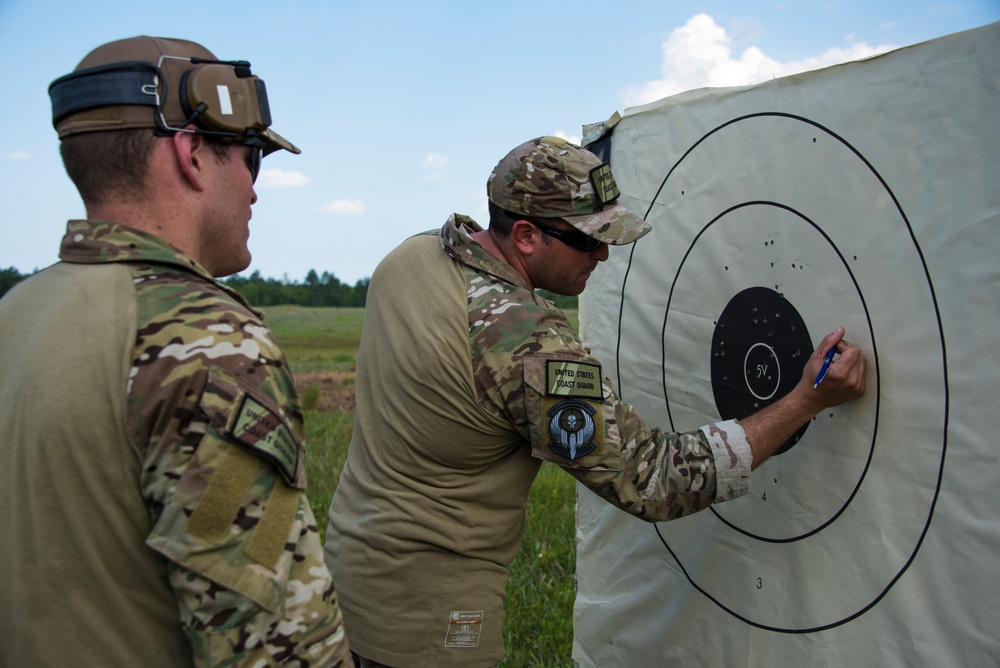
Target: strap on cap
point(121, 83)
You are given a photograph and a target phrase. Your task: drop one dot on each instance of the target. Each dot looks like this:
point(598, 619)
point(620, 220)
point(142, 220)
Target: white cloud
point(745, 30)
point(698, 54)
point(435, 161)
point(278, 178)
point(17, 155)
point(572, 139)
point(343, 207)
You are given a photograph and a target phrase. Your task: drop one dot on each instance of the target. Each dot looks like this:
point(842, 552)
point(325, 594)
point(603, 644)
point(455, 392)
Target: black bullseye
point(759, 347)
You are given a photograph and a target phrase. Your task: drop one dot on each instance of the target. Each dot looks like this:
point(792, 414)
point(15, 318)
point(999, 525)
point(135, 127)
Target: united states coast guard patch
point(260, 430)
point(573, 379)
point(571, 426)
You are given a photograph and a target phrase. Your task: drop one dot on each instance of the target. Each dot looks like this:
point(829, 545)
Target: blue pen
point(825, 367)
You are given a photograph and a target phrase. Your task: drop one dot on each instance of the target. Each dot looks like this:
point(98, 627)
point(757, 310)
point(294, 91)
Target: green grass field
point(317, 339)
point(538, 627)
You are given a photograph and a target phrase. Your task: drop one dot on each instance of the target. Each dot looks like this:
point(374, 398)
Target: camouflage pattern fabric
point(213, 411)
point(549, 177)
point(520, 342)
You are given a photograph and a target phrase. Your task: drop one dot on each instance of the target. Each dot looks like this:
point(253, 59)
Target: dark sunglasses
point(254, 157)
point(572, 238)
point(253, 161)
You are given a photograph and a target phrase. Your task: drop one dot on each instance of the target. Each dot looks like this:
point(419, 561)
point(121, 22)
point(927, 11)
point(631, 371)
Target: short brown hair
point(102, 164)
point(113, 163)
point(501, 220)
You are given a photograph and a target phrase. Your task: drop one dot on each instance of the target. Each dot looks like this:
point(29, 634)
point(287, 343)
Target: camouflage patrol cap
point(549, 177)
point(137, 69)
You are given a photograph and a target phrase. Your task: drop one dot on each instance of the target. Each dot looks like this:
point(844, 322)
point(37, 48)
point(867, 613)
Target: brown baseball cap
point(123, 85)
point(549, 177)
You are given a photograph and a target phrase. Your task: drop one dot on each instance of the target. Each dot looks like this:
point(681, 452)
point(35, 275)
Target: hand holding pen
point(843, 381)
point(825, 367)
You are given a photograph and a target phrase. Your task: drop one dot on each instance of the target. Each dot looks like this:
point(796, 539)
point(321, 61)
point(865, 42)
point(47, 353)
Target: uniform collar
point(101, 242)
point(457, 241)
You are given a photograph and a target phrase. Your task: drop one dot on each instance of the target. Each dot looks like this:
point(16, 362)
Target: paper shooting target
point(864, 196)
point(763, 262)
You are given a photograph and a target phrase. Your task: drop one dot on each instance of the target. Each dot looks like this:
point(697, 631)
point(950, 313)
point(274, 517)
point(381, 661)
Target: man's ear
point(191, 149)
point(525, 237)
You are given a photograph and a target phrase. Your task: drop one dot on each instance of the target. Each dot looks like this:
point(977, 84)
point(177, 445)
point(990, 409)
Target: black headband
point(132, 82)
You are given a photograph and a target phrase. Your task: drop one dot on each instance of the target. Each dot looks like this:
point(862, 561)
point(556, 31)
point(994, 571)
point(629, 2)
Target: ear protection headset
point(222, 98)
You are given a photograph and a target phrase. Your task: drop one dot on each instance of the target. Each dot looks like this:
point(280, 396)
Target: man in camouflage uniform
point(152, 461)
point(467, 381)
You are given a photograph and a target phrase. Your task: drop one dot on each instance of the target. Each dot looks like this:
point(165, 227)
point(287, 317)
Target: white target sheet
point(866, 196)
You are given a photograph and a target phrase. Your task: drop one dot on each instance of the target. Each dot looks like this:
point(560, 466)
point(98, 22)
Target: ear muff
point(221, 100)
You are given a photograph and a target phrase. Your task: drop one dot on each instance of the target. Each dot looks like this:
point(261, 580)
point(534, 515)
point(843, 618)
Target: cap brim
point(615, 225)
point(275, 142)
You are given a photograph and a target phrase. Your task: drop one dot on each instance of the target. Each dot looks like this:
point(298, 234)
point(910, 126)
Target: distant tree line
point(324, 290)
point(316, 290)
point(9, 277)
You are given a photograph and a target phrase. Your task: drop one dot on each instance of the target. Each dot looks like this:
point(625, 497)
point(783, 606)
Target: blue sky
point(403, 108)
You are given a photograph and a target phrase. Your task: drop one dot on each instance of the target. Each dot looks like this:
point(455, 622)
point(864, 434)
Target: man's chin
point(234, 268)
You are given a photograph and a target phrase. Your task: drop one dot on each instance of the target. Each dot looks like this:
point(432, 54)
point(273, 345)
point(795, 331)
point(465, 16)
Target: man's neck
point(152, 215)
point(495, 248)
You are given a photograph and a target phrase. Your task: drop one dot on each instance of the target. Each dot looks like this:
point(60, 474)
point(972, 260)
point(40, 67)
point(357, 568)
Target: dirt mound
point(326, 390)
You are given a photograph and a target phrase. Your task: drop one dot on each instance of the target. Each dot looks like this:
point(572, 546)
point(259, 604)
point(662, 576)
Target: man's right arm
point(658, 475)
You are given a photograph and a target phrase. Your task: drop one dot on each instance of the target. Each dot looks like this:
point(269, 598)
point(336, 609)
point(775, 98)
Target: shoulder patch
point(573, 379)
point(572, 428)
point(257, 428)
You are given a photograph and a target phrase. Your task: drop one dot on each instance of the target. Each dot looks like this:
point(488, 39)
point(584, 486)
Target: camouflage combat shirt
point(467, 381)
point(154, 510)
